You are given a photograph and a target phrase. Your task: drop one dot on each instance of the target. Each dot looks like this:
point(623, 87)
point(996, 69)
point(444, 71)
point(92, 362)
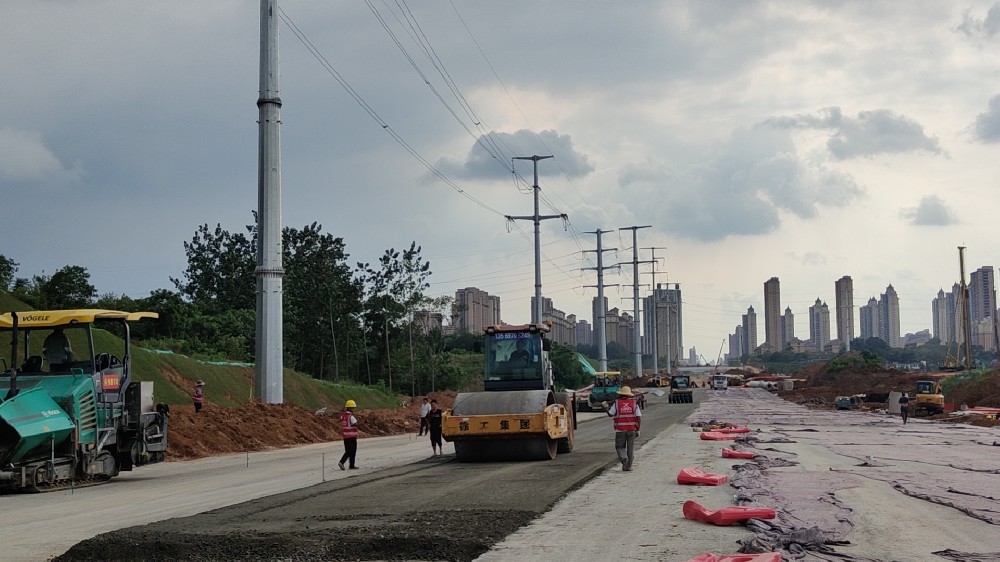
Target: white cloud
point(987, 125)
point(879, 131)
point(24, 158)
point(931, 211)
point(987, 27)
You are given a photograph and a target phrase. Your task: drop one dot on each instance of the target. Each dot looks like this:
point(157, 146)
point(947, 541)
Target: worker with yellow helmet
point(349, 425)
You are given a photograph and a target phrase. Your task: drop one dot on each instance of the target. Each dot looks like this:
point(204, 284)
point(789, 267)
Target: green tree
point(68, 287)
point(8, 268)
point(220, 270)
point(566, 369)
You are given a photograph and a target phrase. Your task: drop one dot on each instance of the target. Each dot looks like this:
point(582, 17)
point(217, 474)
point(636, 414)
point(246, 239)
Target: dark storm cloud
point(484, 158)
point(879, 131)
point(987, 27)
point(931, 211)
point(987, 126)
point(742, 189)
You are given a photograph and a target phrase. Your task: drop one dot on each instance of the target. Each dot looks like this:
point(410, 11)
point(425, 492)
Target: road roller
point(518, 416)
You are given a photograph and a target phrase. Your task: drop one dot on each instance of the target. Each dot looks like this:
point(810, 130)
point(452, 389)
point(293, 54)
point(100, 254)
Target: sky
point(798, 140)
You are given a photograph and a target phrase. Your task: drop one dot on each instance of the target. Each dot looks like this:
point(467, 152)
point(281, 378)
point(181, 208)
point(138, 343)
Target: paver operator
point(627, 418)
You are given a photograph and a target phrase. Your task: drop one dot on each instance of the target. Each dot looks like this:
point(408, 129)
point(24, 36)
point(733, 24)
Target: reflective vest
point(625, 415)
point(350, 430)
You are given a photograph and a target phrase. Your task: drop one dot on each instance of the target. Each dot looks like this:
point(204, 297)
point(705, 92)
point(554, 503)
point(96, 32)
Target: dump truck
point(680, 390)
point(73, 413)
point(518, 416)
point(928, 399)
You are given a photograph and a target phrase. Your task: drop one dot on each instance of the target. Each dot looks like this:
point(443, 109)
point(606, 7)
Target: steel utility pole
point(656, 324)
point(636, 334)
point(536, 312)
point(268, 376)
point(601, 327)
point(965, 308)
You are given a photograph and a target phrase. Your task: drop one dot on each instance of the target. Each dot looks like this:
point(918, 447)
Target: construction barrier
point(727, 515)
point(762, 557)
point(692, 475)
point(716, 436)
point(728, 453)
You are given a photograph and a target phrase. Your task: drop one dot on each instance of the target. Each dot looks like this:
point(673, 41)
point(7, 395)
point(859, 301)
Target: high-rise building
point(428, 321)
point(772, 314)
point(819, 325)
point(473, 309)
point(844, 288)
point(888, 308)
point(939, 315)
point(563, 329)
point(584, 333)
point(870, 320)
point(666, 301)
point(959, 316)
point(735, 344)
point(749, 332)
point(982, 305)
point(787, 329)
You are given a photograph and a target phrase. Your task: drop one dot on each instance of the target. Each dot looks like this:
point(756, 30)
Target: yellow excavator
point(928, 399)
point(518, 415)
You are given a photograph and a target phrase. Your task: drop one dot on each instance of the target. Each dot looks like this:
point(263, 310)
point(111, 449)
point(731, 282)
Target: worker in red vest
point(627, 417)
point(349, 425)
point(198, 396)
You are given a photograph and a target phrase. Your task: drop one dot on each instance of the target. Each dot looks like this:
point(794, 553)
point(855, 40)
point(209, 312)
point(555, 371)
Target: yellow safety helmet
point(625, 391)
point(350, 404)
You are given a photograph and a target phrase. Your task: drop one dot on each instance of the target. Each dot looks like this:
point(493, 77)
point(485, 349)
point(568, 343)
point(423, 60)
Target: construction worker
point(904, 407)
point(435, 418)
point(627, 418)
point(349, 425)
point(424, 410)
point(57, 350)
point(198, 396)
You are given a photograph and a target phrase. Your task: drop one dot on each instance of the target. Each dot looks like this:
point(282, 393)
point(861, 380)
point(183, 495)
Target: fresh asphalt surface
point(436, 508)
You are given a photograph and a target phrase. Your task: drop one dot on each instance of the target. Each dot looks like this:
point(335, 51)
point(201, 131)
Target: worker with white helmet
point(198, 396)
point(627, 418)
point(349, 425)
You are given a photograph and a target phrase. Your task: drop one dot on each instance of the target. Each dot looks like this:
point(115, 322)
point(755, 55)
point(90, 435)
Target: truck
point(680, 390)
point(73, 414)
point(928, 398)
point(720, 382)
point(518, 416)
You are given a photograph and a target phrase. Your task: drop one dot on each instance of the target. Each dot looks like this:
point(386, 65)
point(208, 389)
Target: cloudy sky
point(793, 139)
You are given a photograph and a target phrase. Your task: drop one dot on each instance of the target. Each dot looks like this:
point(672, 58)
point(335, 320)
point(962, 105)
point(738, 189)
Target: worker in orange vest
point(349, 425)
point(627, 418)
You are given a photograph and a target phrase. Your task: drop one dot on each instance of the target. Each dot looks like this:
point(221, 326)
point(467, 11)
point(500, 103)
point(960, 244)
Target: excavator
point(928, 399)
point(518, 416)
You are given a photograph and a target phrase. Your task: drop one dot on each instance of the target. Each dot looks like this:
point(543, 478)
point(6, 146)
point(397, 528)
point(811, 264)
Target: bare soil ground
point(258, 427)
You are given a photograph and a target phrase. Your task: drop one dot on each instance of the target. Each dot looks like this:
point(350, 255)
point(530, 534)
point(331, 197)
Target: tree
point(67, 288)
point(566, 369)
point(322, 300)
point(220, 271)
point(8, 268)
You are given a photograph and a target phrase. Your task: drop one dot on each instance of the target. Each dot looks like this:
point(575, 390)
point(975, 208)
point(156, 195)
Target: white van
point(720, 382)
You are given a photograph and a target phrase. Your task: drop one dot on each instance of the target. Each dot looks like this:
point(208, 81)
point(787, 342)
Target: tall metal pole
point(965, 308)
point(602, 323)
point(536, 311)
point(636, 334)
point(268, 377)
point(656, 324)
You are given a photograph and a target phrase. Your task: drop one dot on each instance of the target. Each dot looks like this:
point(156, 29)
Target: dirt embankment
point(257, 427)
